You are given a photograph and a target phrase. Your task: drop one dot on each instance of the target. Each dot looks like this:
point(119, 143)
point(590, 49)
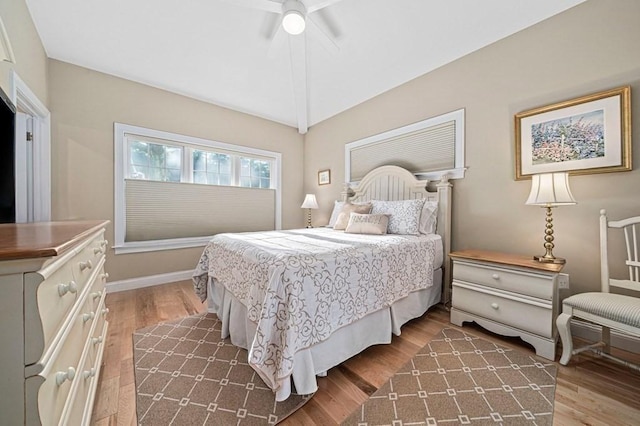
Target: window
point(213, 168)
point(254, 173)
point(153, 161)
point(174, 191)
point(429, 148)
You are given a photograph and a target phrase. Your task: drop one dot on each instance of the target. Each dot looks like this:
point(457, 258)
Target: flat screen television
point(7, 159)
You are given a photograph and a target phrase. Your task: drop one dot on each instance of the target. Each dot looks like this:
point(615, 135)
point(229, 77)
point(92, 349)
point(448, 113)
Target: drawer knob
point(63, 289)
point(89, 316)
point(105, 276)
point(104, 243)
point(96, 295)
point(90, 373)
point(63, 376)
point(97, 340)
point(495, 305)
point(97, 250)
point(105, 311)
point(495, 276)
point(85, 265)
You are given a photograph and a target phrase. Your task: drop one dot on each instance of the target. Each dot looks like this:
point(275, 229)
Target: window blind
point(419, 151)
point(164, 210)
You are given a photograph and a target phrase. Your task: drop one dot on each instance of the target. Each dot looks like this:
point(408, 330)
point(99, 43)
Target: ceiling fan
point(293, 20)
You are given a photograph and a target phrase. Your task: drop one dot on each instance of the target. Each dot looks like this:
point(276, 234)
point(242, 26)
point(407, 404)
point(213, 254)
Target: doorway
point(33, 155)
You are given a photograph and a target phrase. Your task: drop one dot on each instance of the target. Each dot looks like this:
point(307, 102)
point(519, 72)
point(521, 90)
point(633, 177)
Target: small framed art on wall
point(324, 177)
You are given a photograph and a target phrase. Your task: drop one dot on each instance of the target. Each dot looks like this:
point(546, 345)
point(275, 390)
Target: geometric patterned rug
point(460, 379)
point(187, 375)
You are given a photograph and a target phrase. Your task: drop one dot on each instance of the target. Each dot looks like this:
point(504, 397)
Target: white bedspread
point(300, 286)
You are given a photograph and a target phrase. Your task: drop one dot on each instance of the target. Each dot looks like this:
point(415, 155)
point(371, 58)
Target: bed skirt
point(375, 328)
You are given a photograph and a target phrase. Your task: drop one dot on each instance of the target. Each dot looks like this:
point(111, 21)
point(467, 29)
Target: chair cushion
point(615, 307)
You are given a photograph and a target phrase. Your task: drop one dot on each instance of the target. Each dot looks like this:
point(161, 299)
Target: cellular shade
point(420, 151)
point(166, 210)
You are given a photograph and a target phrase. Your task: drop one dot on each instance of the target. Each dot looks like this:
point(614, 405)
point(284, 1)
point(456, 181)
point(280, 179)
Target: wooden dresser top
point(506, 259)
point(43, 239)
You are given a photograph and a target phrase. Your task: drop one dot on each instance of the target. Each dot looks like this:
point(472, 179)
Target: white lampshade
point(293, 20)
point(309, 202)
point(550, 189)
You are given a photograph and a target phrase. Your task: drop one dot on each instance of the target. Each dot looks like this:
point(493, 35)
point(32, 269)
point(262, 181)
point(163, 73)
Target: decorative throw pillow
point(337, 209)
point(367, 224)
point(404, 215)
point(429, 217)
point(347, 208)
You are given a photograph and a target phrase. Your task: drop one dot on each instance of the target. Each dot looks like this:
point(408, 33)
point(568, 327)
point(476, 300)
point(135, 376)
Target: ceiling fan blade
point(321, 5)
point(278, 40)
point(270, 25)
point(267, 5)
point(327, 41)
point(298, 48)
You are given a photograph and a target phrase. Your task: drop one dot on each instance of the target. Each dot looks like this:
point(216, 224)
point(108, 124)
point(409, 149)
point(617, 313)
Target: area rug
point(187, 375)
point(458, 378)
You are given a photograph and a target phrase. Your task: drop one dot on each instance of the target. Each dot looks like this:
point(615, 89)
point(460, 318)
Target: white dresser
point(53, 323)
point(508, 294)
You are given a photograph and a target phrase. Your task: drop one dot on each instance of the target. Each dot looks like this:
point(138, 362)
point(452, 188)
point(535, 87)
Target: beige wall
point(586, 49)
point(84, 106)
point(589, 48)
point(31, 59)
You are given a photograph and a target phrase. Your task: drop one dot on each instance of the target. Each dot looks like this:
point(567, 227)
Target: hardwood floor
point(590, 391)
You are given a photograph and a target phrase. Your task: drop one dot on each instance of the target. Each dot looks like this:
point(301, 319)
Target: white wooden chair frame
point(616, 312)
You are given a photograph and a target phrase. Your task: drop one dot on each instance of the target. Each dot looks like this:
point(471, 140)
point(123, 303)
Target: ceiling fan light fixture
point(293, 17)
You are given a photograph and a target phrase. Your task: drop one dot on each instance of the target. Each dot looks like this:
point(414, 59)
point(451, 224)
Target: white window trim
point(456, 173)
point(120, 225)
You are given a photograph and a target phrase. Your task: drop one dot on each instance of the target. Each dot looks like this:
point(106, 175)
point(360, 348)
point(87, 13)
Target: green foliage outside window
point(159, 162)
point(150, 161)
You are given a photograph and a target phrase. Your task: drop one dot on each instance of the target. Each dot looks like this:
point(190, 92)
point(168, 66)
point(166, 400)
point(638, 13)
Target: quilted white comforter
point(299, 286)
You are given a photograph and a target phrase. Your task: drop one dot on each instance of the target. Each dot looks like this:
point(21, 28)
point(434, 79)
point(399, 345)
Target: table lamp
point(309, 203)
point(549, 190)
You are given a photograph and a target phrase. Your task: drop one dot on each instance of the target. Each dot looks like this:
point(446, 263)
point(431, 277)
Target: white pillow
point(404, 215)
point(337, 209)
point(429, 217)
point(367, 224)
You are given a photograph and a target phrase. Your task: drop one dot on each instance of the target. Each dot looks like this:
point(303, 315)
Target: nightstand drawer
point(521, 282)
point(534, 317)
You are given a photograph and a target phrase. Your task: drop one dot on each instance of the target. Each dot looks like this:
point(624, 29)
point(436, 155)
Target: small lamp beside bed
point(309, 203)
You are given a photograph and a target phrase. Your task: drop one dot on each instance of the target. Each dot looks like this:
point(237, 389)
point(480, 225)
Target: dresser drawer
point(80, 402)
point(58, 287)
point(44, 339)
point(528, 315)
point(88, 257)
point(54, 392)
point(513, 280)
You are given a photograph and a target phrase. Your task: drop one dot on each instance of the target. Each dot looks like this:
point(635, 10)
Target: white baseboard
point(591, 332)
point(148, 281)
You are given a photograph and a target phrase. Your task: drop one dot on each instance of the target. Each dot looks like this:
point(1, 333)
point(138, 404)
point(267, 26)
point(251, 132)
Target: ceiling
point(220, 51)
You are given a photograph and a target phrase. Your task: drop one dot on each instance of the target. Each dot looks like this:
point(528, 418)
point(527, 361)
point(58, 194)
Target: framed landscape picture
point(590, 134)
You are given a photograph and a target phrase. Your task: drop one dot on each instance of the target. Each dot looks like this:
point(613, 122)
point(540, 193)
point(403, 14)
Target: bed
point(304, 300)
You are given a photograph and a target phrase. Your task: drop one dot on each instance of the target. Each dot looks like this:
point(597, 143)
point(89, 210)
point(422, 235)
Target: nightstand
point(508, 294)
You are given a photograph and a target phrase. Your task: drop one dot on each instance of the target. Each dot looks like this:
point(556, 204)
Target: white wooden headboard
point(390, 183)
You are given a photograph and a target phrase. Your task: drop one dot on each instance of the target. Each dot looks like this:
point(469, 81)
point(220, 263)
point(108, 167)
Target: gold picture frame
point(324, 177)
point(589, 134)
